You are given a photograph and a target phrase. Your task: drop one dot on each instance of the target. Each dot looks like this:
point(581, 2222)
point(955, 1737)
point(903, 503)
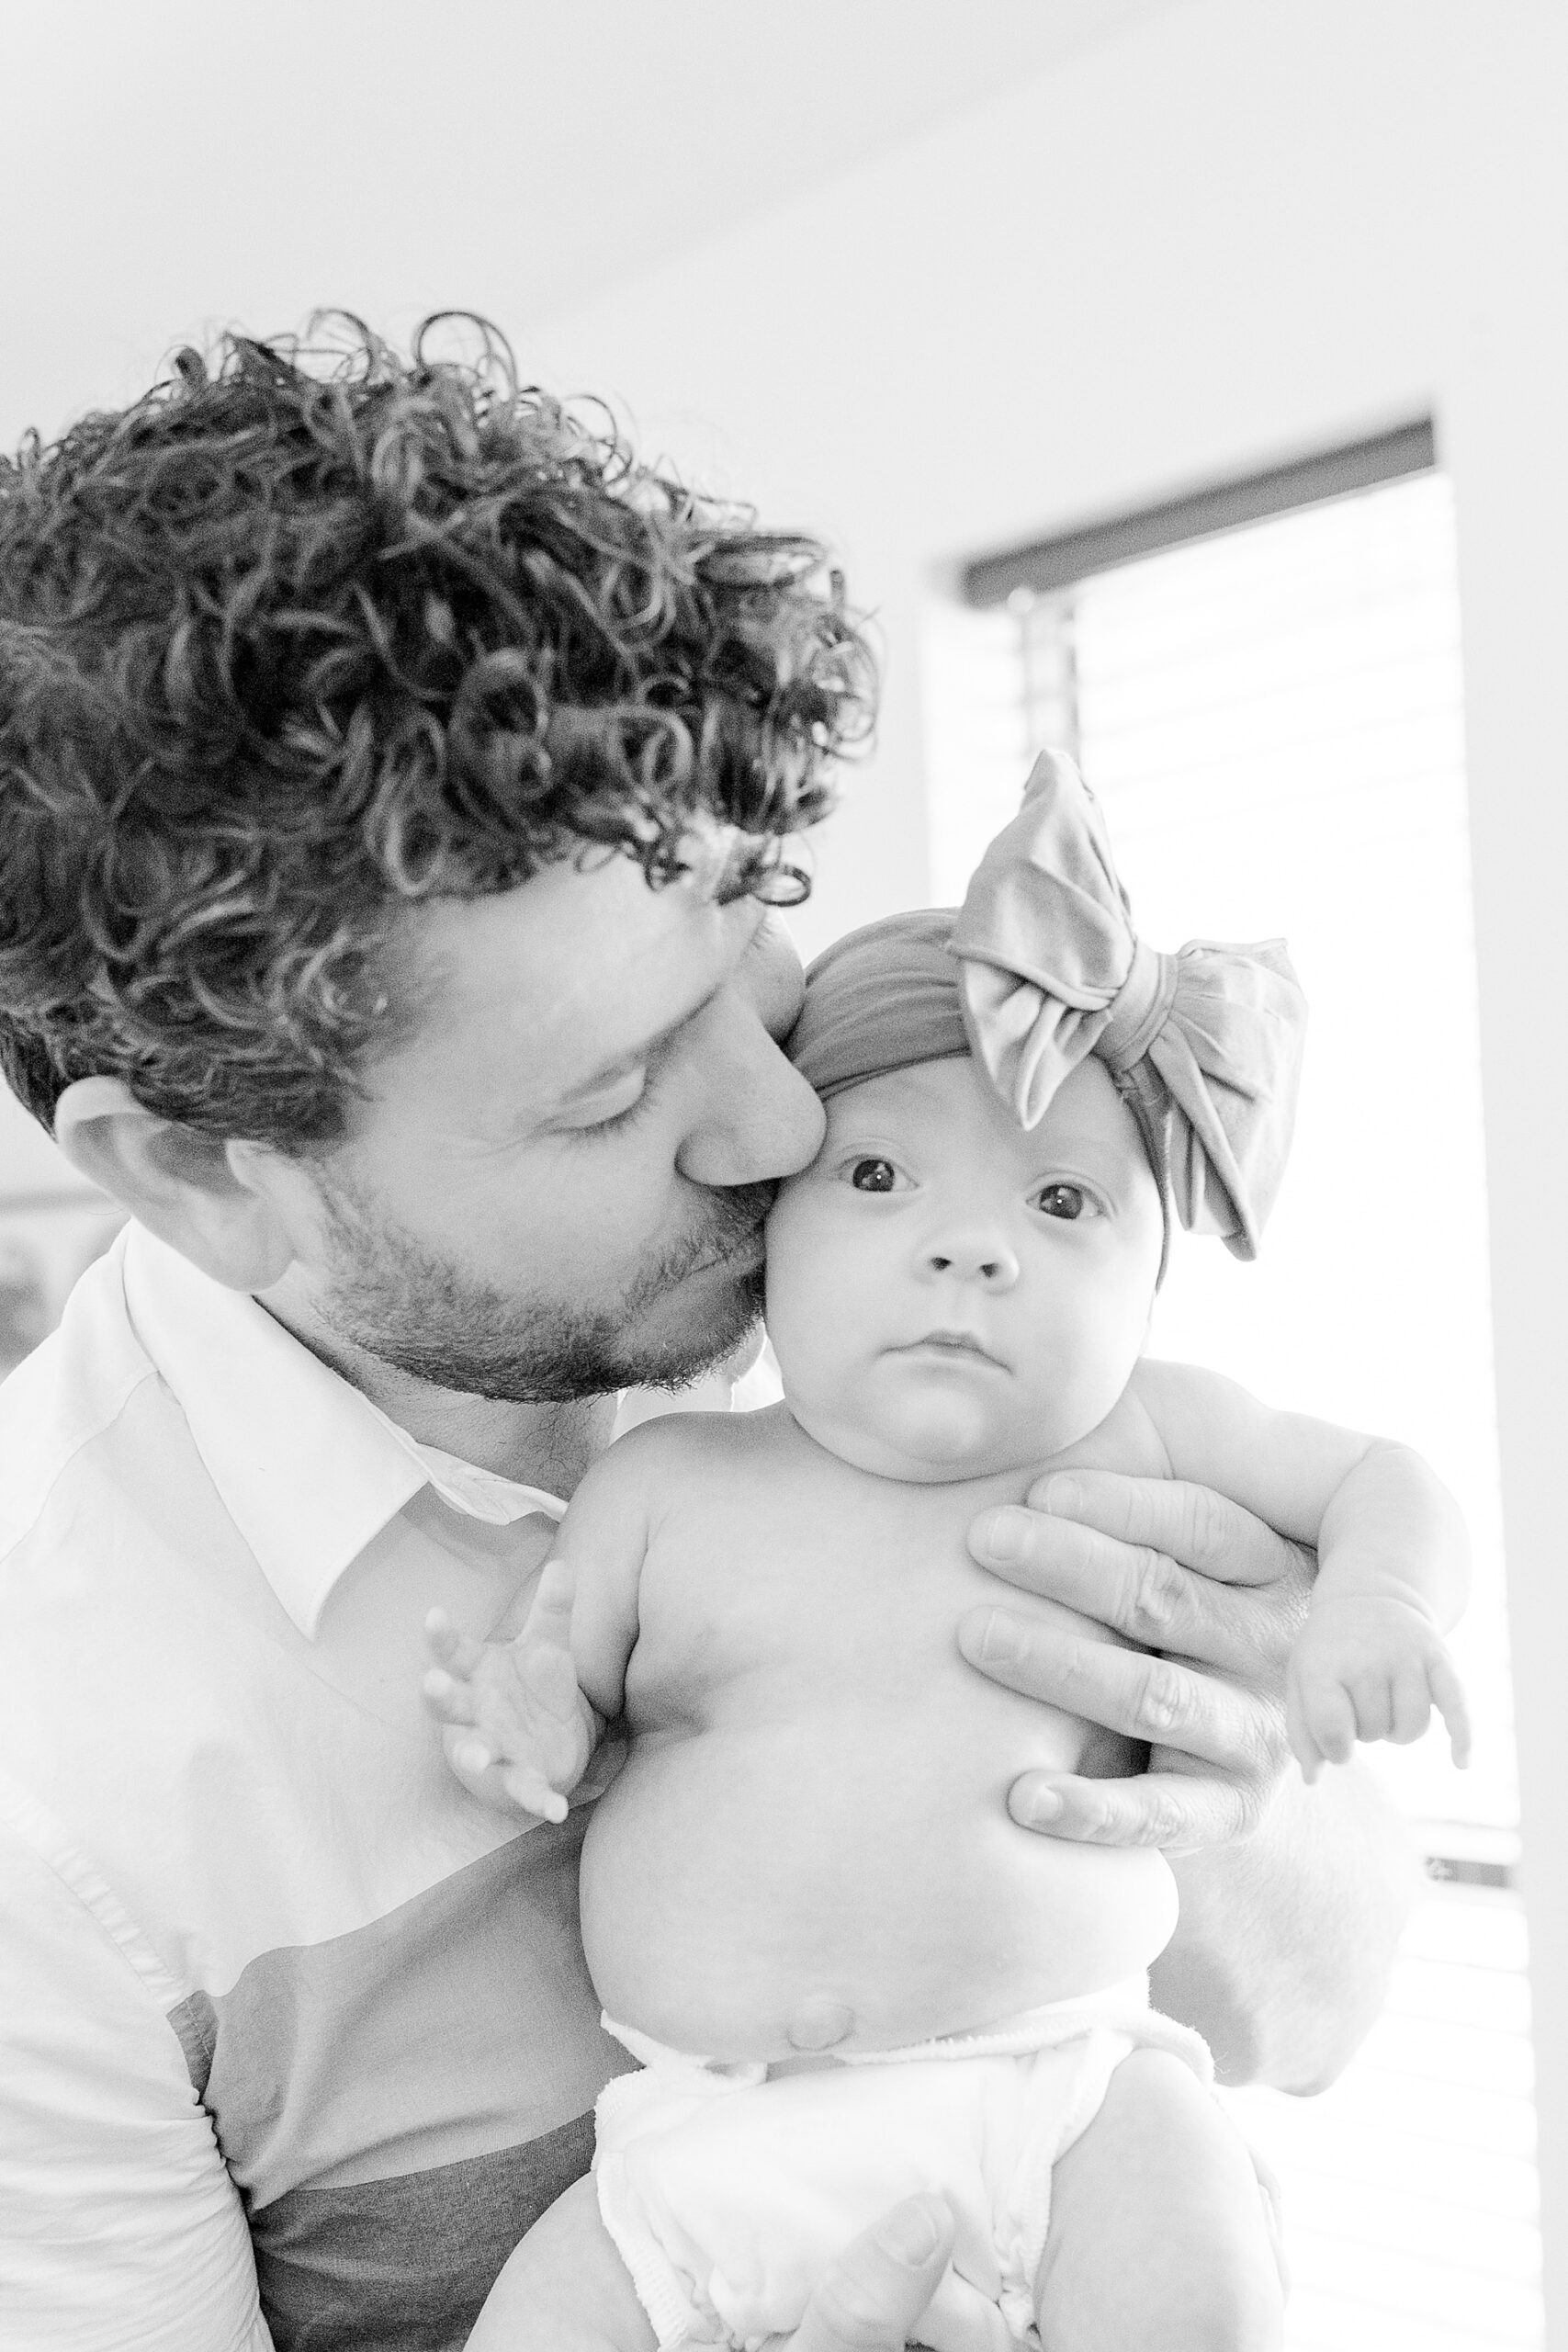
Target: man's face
point(557, 1186)
point(950, 1294)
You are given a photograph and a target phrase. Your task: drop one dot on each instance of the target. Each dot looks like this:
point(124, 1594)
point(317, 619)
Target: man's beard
point(423, 1315)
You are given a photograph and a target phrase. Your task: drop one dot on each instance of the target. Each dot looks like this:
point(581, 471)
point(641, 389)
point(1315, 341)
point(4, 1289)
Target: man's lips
point(741, 1255)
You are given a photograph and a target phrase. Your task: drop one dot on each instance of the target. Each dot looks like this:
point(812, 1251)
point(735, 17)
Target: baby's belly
point(851, 1878)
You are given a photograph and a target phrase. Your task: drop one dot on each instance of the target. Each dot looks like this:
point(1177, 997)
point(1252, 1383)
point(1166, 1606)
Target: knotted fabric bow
point(1205, 1044)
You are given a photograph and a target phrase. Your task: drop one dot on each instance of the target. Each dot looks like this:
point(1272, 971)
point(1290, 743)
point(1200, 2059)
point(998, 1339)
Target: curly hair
point(307, 636)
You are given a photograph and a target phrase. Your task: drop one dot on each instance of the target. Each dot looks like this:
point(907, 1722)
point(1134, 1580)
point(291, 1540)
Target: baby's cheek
point(800, 1327)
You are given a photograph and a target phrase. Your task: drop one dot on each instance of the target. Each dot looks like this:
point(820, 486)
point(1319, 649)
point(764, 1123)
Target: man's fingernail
point(1044, 1804)
point(1007, 1535)
point(1001, 1642)
point(913, 2233)
point(474, 1757)
point(1064, 1496)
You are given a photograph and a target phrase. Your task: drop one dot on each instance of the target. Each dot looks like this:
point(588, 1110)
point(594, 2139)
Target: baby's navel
point(821, 2024)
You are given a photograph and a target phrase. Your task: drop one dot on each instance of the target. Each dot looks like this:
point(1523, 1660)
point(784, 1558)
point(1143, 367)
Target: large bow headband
point(1039, 967)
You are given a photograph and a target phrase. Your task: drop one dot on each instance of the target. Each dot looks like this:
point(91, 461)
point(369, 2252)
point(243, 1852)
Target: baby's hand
point(517, 1730)
point(1367, 1666)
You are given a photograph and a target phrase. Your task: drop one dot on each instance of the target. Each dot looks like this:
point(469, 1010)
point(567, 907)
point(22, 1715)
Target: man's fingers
point(1193, 1524)
point(1141, 1589)
point(872, 2298)
point(1171, 1810)
point(1145, 1698)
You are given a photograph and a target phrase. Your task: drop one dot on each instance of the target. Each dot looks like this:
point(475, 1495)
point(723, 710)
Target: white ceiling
point(170, 163)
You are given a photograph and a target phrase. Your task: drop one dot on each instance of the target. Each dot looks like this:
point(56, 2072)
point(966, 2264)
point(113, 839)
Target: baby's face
point(949, 1296)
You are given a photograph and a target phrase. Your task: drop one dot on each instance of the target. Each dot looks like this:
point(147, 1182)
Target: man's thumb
point(874, 2295)
point(915, 2232)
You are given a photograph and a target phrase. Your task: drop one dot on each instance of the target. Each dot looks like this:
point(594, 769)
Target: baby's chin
point(930, 1435)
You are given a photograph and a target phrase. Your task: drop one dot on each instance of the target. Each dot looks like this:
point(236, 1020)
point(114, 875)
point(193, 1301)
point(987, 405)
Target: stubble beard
point(424, 1315)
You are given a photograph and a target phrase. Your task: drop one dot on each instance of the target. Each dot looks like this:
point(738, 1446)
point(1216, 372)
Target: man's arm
point(1282, 1955)
point(120, 2229)
point(1292, 1899)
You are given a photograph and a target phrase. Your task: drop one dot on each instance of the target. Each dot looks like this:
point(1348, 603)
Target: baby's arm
point(522, 1711)
point(1394, 1563)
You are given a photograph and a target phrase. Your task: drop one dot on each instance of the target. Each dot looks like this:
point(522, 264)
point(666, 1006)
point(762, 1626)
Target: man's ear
point(213, 1202)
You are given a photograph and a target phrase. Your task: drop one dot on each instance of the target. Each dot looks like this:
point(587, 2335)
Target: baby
point(850, 1974)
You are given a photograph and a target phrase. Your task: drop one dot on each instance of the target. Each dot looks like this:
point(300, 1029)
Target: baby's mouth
point(952, 1343)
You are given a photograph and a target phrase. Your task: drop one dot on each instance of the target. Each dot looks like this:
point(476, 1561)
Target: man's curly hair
point(306, 636)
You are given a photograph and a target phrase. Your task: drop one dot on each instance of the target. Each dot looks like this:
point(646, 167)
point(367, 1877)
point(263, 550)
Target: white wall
point(1238, 230)
point(172, 164)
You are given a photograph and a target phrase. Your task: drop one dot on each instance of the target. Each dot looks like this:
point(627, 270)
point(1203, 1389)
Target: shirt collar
point(307, 1469)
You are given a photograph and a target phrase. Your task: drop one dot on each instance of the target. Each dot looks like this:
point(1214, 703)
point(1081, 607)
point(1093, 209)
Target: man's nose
point(759, 1118)
point(978, 1254)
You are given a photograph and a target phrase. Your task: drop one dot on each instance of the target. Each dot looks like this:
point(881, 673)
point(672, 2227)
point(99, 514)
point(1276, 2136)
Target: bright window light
point(1272, 718)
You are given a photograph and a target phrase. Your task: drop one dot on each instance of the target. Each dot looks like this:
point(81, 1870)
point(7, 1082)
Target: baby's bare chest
point(817, 1598)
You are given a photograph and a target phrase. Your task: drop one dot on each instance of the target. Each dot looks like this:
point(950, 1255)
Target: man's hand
point(1292, 1899)
point(1180, 1571)
point(875, 2294)
point(566, 2290)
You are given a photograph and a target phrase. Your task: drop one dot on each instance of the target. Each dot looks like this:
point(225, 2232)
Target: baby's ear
point(215, 1202)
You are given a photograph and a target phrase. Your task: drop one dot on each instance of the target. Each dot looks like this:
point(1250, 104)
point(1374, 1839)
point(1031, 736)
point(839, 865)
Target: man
point(396, 781)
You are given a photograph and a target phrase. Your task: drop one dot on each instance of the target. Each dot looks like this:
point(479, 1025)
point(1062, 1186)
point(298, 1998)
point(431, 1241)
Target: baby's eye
point(1068, 1201)
point(873, 1176)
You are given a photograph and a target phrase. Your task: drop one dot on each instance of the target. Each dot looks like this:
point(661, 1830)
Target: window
point(1263, 687)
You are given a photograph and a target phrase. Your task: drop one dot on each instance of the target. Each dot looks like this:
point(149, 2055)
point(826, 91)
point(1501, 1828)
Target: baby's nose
point(984, 1258)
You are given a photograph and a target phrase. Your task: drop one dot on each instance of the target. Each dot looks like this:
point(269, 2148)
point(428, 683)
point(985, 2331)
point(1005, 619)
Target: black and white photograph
point(784, 801)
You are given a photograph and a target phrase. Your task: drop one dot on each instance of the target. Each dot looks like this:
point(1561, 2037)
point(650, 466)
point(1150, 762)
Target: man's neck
point(548, 1446)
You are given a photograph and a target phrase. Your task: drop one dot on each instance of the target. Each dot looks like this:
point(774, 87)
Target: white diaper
point(728, 2195)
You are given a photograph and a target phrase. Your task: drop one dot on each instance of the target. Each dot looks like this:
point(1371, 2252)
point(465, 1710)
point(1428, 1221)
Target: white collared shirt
point(263, 1961)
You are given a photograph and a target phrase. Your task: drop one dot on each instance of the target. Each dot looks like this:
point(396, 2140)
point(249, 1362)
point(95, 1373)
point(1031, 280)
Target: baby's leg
point(1157, 2238)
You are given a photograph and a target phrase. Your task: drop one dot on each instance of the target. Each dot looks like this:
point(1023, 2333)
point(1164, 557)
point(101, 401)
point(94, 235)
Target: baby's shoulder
point(1131, 1439)
point(1187, 1404)
point(673, 1447)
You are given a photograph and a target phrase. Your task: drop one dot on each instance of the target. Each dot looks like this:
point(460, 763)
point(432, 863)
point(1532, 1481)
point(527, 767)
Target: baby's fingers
point(1374, 1697)
point(527, 1787)
point(1447, 1696)
point(449, 1700)
point(505, 1787)
point(550, 1614)
point(474, 1761)
point(1321, 1721)
point(549, 1681)
point(1410, 1709)
point(457, 1653)
point(448, 1693)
